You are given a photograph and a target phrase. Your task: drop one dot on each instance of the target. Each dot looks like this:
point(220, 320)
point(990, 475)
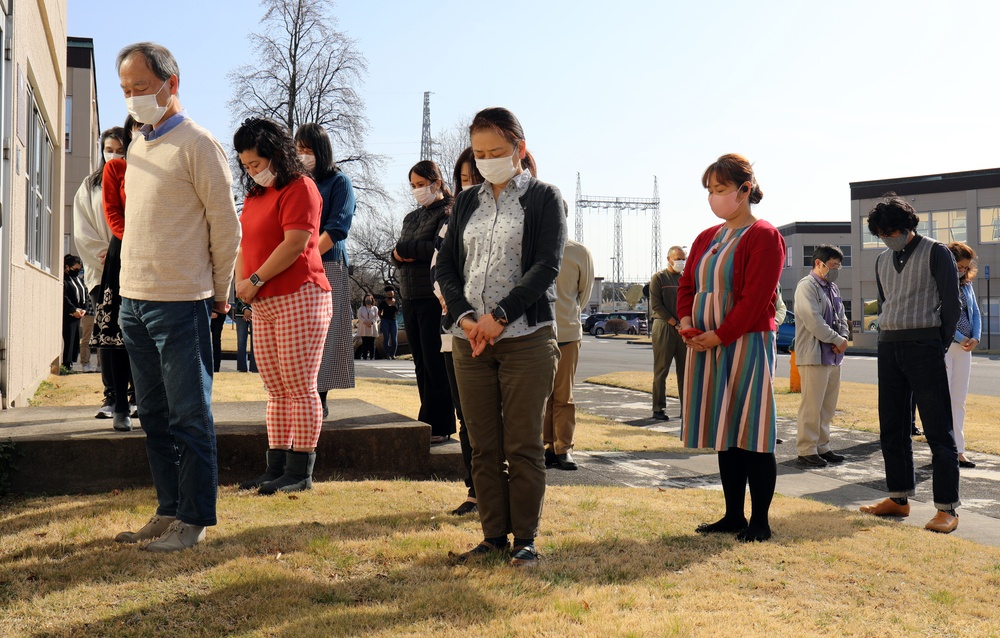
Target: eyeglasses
point(834, 266)
point(894, 233)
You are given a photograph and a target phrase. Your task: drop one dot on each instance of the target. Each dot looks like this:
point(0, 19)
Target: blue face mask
point(896, 243)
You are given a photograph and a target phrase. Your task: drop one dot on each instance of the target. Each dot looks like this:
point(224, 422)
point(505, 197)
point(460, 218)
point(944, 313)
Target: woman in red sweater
point(279, 271)
point(726, 304)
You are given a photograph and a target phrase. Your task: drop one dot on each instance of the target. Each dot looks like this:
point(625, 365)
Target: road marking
point(399, 368)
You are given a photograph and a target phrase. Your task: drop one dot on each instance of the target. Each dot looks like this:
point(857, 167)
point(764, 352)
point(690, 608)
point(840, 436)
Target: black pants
point(71, 341)
point(463, 432)
point(423, 332)
point(368, 347)
point(218, 323)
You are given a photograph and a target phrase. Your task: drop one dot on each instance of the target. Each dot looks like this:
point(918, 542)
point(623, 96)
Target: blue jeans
point(917, 369)
point(170, 347)
point(389, 330)
point(244, 345)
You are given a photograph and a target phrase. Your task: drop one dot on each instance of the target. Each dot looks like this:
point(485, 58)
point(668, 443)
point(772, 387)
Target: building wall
point(800, 235)
point(972, 225)
point(82, 156)
point(31, 297)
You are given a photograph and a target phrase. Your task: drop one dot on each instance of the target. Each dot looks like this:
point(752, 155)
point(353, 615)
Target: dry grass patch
point(370, 559)
point(857, 408)
point(398, 395)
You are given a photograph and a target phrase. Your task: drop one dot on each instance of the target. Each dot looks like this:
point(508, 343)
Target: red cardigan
point(757, 265)
point(113, 194)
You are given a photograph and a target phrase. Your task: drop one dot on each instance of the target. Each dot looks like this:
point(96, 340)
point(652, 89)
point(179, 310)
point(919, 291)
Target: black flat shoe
point(467, 507)
point(754, 535)
point(565, 462)
point(966, 463)
point(811, 460)
point(832, 457)
point(550, 457)
point(722, 526)
point(660, 415)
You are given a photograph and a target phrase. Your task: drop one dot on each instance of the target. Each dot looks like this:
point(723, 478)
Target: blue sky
point(817, 95)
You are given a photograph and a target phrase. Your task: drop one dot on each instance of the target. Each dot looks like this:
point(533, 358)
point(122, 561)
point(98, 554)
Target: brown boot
point(888, 507)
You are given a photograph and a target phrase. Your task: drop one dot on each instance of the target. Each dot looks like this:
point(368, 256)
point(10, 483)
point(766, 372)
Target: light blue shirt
point(151, 133)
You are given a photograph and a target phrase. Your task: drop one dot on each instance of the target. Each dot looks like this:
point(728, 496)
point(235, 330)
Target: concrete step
point(66, 450)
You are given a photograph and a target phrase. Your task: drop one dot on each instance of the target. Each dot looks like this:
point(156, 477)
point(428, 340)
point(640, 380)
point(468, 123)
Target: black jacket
point(541, 255)
point(416, 241)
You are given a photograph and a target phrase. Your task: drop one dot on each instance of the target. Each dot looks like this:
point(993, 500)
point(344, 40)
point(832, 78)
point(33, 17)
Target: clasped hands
point(481, 332)
point(701, 343)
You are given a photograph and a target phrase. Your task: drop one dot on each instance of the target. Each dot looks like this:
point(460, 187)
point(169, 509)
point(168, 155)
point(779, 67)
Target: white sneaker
point(88, 368)
point(156, 526)
point(133, 410)
point(178, 536)
point(106, 411)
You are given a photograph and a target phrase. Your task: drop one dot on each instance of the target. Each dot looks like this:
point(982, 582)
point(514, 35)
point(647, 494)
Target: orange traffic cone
point(794, 381)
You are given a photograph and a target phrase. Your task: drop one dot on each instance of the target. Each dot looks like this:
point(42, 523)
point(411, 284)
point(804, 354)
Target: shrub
point(616, 326)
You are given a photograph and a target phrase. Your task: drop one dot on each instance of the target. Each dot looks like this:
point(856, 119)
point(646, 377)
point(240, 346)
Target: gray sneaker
point(178, 536)
point(106, 411)
point(156, 526)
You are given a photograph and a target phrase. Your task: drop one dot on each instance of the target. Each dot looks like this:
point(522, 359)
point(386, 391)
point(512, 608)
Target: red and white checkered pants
point(288, 336)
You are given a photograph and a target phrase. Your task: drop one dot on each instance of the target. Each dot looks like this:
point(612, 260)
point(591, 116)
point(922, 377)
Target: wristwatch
point(255, 280)
point(500, 316)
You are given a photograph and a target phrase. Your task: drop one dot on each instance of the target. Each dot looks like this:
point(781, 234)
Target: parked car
point(786, 333)
point(637, 323)
point(402, 344)
point(588, 324)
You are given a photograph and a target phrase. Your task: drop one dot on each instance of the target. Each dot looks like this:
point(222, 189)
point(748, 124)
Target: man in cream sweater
point(576, 278)
point(178, 253)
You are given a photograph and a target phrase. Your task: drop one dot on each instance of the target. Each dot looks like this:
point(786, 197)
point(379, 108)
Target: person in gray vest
point(918, 313)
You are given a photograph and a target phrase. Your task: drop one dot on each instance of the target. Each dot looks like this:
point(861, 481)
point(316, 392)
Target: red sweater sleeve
point(113, 194)
point(759, 258)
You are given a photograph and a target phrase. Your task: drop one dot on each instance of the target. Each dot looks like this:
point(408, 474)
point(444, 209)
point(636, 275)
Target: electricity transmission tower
point(426, 152)
point(618, 205)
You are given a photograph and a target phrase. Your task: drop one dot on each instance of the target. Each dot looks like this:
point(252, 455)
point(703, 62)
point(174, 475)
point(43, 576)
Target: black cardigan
point(542, 248)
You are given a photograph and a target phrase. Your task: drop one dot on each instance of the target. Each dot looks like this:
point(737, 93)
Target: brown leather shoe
point(943, 523)
point(888, 507)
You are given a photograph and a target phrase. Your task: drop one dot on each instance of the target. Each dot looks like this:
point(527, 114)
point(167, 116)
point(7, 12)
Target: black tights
point(737, 468)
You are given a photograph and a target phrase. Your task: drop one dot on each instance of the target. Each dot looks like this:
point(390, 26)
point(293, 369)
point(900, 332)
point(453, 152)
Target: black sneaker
point(550, 457)
point(660, 415)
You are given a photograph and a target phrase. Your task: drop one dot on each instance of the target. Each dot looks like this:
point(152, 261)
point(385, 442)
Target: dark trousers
point(917, 369)
point(245, 360)
point(218, 323)
point(667, 346)
point(71, 340)
point(423, 331)
point(389, 330)
point(367, 347)
point(463, 431)
point(506, 388)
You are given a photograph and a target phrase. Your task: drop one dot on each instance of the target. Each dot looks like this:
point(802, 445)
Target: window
point(38, 226)
point(871, 315)
point(989, 225)
point(867, 239)
point(945, 226)
point(68, 143)
point(847, 308)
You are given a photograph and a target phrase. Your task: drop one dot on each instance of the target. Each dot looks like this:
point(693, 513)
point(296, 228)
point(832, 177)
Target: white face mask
point(145, 108)
point(470, 187)
point(309, 161)
point(679, 265)
point(110, 156)
point(498, 170)
point(264, 178)
point(424, 195)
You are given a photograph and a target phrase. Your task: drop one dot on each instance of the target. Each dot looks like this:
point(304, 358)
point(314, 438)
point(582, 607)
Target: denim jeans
point(917, 369)
point(244, 345)
point(389, 330)
point(170, 347)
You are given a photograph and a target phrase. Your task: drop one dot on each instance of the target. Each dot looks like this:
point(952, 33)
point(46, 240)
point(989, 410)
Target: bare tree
point(448, 145)
point(308, 71)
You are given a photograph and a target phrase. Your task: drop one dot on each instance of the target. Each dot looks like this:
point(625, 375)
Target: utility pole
point(426, 150)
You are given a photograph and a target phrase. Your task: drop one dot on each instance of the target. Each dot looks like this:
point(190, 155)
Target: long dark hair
point(97, 177)
point(314, 137)
point(273, 142)
point(466, 157)
point(430, 171)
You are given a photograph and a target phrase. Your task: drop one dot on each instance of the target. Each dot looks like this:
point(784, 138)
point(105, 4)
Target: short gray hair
point(673, 250)
point(160, 60)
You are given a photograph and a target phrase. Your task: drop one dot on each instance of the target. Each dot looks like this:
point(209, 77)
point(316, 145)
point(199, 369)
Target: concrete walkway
point(859, 480)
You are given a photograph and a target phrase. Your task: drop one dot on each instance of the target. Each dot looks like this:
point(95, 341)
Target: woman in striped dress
point(726, 302)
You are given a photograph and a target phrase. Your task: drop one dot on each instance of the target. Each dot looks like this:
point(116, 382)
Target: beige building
point(32, 117)
point(83, 130)
point(952, 207)
point(801, 239)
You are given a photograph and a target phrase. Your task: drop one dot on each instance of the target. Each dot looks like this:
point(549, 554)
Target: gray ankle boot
point(275, 468)
point(298, 474)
